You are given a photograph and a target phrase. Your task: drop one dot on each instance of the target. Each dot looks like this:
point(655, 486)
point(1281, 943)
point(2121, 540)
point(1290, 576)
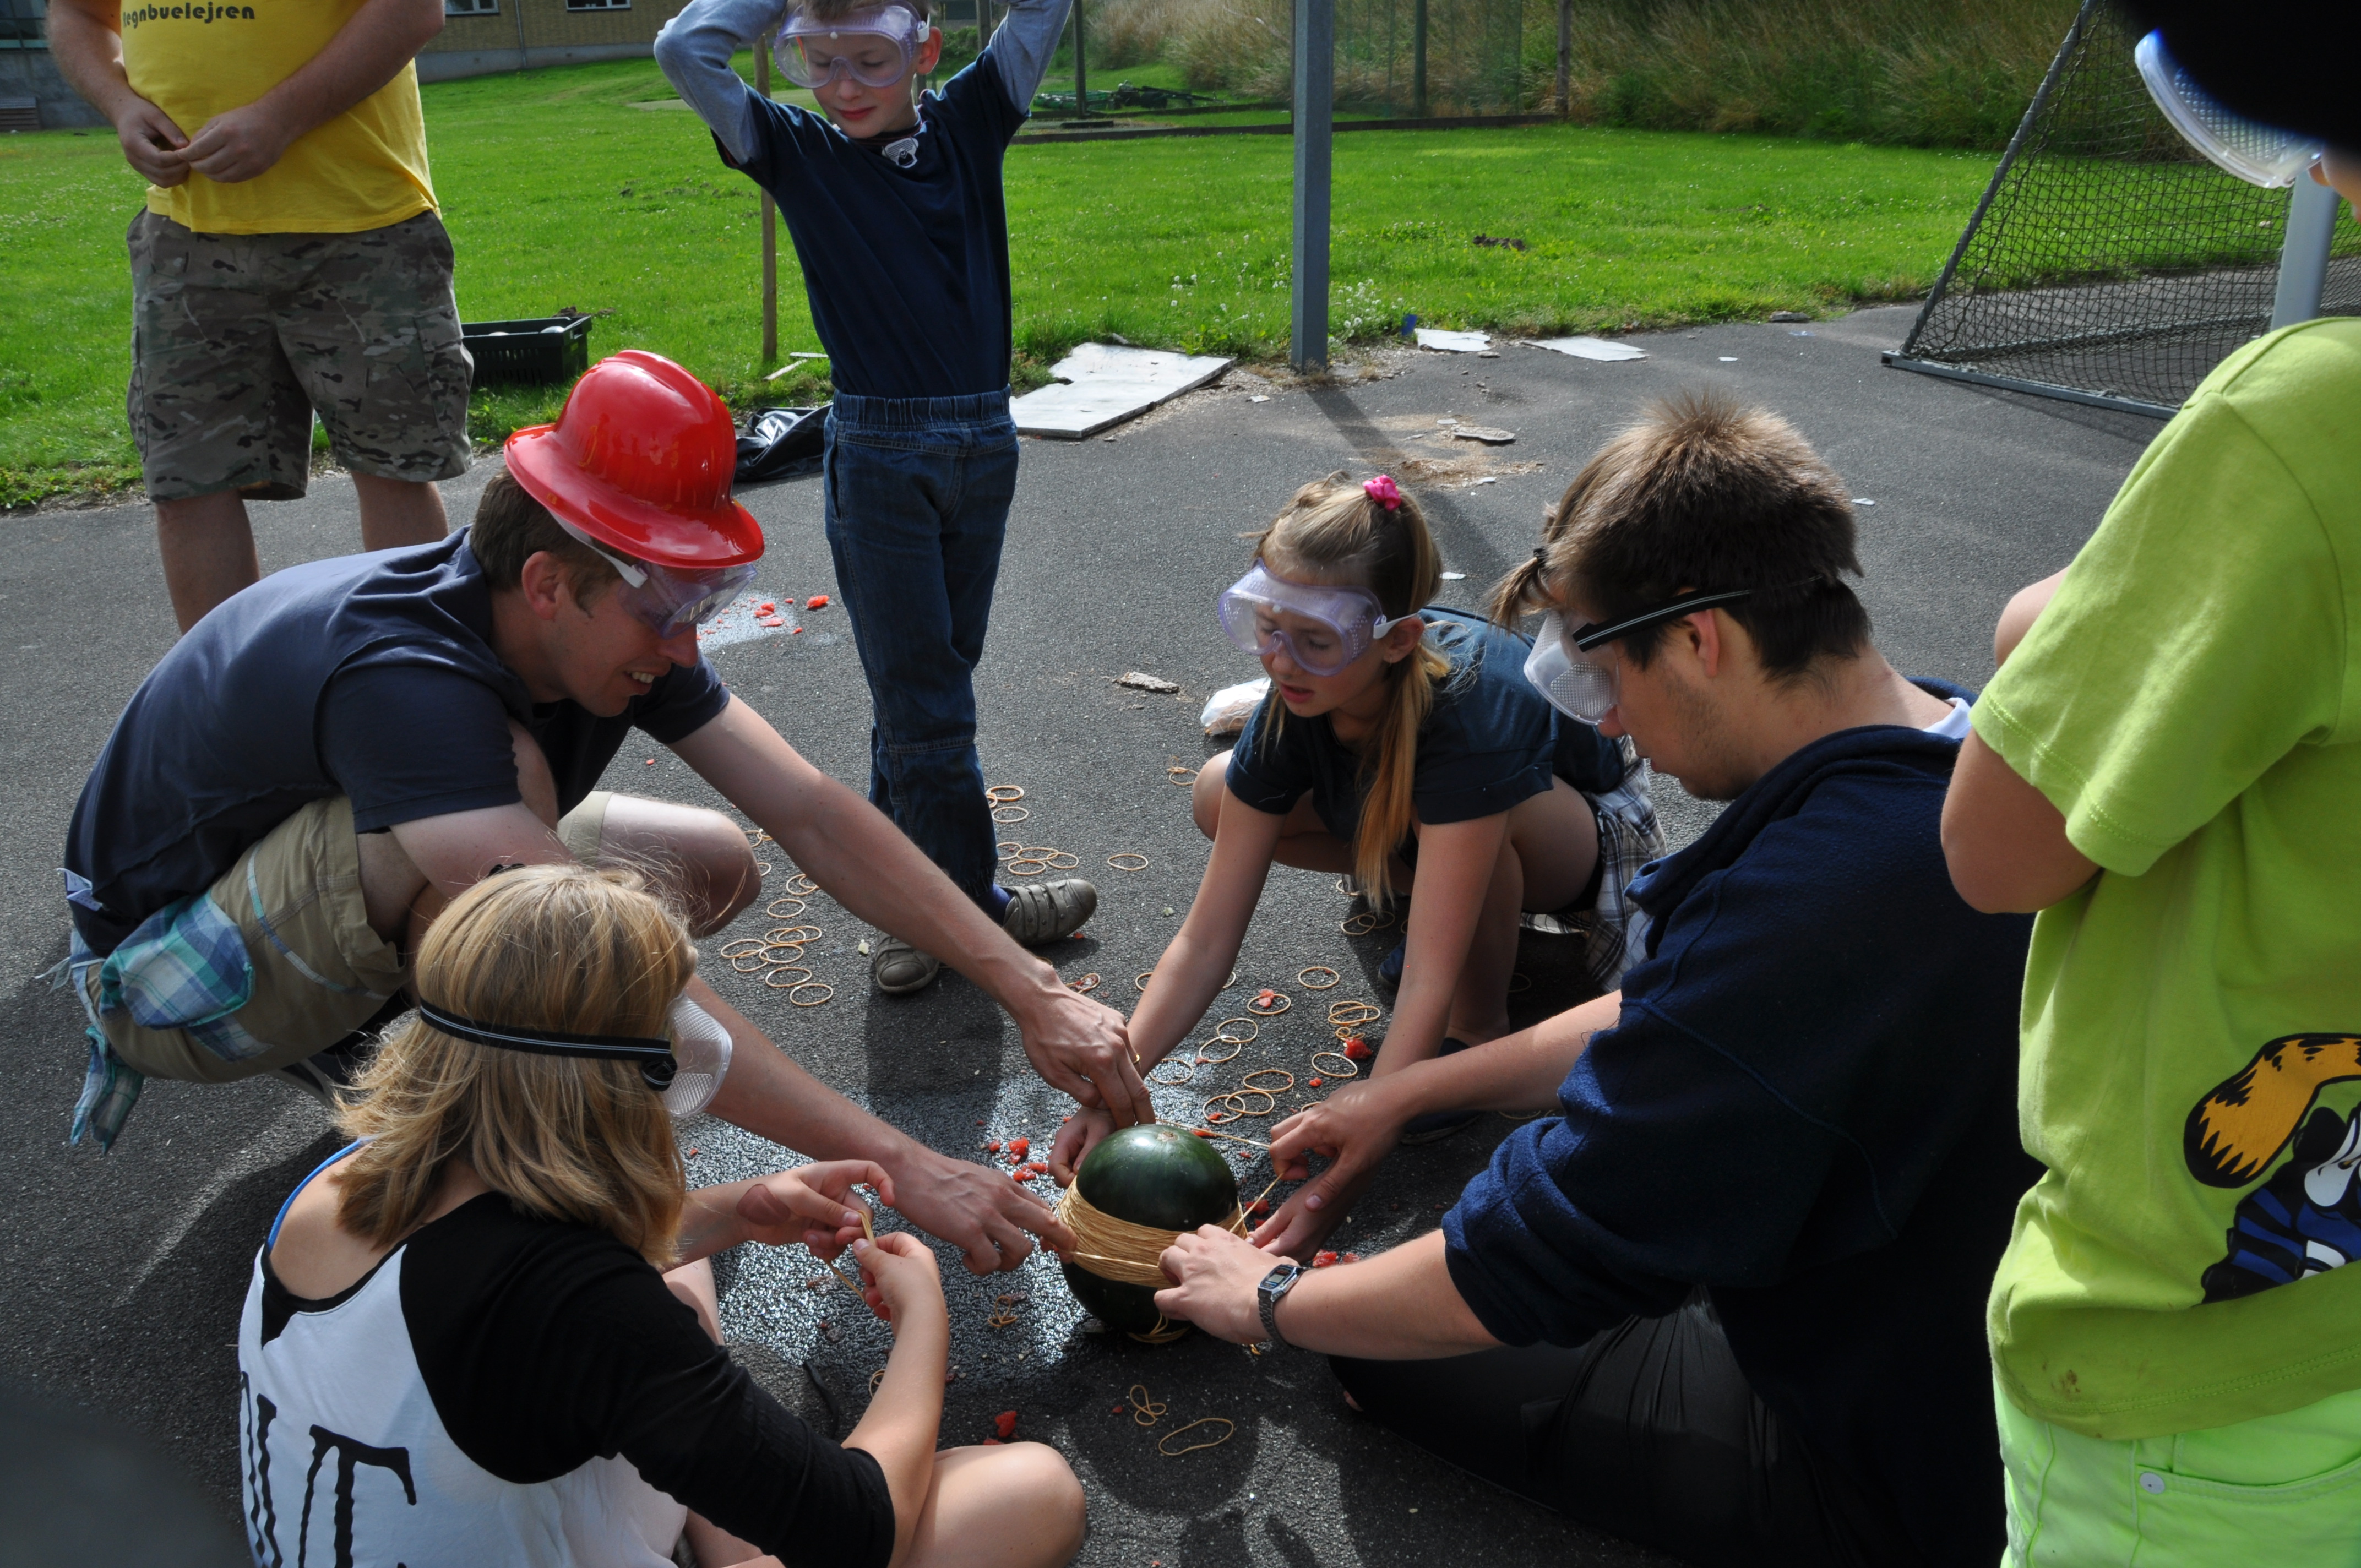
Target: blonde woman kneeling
point(459, 1348)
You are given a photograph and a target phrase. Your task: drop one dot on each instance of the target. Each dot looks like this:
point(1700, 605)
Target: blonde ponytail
point(1335, 532)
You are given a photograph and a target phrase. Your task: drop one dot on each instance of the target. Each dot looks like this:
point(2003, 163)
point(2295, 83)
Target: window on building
point(471, 7)
point(21, 25)
point(598, 4)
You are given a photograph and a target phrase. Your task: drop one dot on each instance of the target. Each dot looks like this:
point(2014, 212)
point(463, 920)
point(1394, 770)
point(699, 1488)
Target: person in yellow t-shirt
point(2167, 766)
point(289, 260)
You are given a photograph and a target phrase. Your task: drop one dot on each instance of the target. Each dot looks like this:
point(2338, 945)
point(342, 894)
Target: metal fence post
point(1081, 67)
point(2303, 255)
point(770, 222)
point(1316, 79)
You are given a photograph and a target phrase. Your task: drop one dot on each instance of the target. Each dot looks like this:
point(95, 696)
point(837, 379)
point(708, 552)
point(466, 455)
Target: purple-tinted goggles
point(1347, 620)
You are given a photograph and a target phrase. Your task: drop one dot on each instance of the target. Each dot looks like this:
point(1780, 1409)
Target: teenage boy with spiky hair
point(894, 199)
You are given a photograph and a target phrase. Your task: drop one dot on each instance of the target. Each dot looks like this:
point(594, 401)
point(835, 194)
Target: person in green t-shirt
point(2165, 768)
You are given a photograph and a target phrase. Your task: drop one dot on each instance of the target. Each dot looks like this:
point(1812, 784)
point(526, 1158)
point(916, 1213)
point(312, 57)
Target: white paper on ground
point(1226, 710)
point(1453, 342)
point(1104, 385)
point(1588, 347)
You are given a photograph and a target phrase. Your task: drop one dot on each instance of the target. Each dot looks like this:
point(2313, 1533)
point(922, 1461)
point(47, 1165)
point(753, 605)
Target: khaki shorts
point(235, 339)
point(320, 973)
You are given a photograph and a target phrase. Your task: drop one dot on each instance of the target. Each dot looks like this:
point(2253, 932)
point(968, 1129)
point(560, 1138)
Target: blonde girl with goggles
point(496, 1305)
point(1398, 745)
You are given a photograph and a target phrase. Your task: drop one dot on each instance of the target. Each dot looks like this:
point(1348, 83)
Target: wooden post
point(770, 225)
point(1564, 56)
point(1418, 62)
point(1315, 93)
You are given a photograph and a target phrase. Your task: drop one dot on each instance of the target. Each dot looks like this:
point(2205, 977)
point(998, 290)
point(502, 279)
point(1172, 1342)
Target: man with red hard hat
point(304, 779)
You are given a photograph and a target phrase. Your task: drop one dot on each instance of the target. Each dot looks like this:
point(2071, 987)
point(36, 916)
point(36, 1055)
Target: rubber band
point(783, 934)
point(1229, 1430)
point(1083, 985)
point(1140, 981)
point(875, 1378)
point(1355, 1011)
point(811, 985)
point(1351, 1068)
point(744, 945)
point(1006, 814)
point(742, 966)
point(1235, 1044)
point(1369, 920)
point(1016, 867)
point(1008, 849)
point(1254, 1031)
point(776, 912)
point(1144, 1409)
point(1188, 1071)
point(1069, 861)
point(1515, 976)
point(763, 867)
point(771, 977)
point(810, 887)
point(1117, 859)
point(1268, 1003)
point(1248, 1081)
point(1207, 1110)
point(1181, 773)
point(1001, 794)
point(1333, 980)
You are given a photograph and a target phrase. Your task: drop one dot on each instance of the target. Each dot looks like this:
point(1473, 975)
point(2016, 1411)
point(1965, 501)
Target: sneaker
point(1436, 1125)
point(898, 969)
point(1040, 913)
point(322, 1075)
point(1390, 973)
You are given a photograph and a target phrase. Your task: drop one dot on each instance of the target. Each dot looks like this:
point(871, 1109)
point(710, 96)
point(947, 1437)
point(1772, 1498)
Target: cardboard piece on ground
point(1587, 347)
point(1104, 385)
point(1453, 342)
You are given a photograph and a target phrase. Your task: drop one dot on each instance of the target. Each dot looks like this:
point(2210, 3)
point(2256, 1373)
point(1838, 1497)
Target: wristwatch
point(1275, 1285)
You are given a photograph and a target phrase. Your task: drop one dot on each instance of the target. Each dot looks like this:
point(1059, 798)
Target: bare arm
point(2005, 842)
point(1358, 1125)
point(86, 40)
point(1456, 860)
point(906, 1415)
point(1397, 1306)
point(2024, 607)
point(849, 847)
point(1190, 974)
point(368, 52)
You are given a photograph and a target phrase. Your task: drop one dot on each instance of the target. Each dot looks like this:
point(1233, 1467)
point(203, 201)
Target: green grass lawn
point(559, 193)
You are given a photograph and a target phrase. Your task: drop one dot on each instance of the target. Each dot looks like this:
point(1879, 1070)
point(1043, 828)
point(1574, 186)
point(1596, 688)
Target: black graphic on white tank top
point(351, 1454)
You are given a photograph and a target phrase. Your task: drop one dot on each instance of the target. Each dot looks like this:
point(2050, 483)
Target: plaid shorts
point(236, 339)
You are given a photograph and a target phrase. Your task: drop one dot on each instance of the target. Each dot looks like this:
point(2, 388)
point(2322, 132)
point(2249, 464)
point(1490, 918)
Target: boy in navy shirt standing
point(893, 201)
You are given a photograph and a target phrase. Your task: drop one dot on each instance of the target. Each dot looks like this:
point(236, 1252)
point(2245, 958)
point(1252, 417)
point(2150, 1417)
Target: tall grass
point(1920, 72)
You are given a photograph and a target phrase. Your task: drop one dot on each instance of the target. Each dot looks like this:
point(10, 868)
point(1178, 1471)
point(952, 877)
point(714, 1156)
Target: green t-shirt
point(2193, 1017)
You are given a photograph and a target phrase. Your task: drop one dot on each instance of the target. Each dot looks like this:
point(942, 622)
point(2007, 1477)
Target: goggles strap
point(657, 1064)
point(634, 572)
point(1586, 638)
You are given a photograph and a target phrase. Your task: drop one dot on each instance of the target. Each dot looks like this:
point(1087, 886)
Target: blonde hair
point(570, 1138)
point(1332, 532)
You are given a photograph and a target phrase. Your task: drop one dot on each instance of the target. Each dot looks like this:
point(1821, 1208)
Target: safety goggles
point(1344, 620)
point(2249, 151)
point(1584, 688)
point(875, 46)
point(667, 602)
point(684, 1069)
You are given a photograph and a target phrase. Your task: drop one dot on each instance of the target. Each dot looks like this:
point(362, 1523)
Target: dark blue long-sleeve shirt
point(1807, 1107)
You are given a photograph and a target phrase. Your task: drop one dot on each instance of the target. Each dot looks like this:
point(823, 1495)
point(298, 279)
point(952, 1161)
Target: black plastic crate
point(537, 350)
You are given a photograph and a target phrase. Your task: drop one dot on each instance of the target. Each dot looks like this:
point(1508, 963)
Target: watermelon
point(1153, 1174)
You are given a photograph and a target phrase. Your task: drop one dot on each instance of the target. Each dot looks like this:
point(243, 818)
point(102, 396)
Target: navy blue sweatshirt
point(1807, 1106)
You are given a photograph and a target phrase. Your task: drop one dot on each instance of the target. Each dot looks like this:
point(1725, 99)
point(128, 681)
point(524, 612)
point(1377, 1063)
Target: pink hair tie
point(1383, 492)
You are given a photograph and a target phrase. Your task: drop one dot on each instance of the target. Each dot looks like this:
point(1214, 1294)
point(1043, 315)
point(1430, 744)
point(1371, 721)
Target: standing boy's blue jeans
point(917, 495)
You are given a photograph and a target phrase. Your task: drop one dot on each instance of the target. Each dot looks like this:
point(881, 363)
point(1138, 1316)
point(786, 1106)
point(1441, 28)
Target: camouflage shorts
point(235, 339)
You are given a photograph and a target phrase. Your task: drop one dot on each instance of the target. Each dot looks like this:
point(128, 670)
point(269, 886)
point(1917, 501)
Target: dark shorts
point(237, 339)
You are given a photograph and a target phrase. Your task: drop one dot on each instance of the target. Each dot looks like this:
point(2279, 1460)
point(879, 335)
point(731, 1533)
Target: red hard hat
point(641, 459)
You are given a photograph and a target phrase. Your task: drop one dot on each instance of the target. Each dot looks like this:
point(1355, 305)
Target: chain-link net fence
point(2108, 257)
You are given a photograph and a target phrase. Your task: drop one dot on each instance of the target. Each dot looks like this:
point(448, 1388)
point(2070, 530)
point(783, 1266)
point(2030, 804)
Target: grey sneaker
point(898, 969)
point(1040, 913)
point(322, 1075)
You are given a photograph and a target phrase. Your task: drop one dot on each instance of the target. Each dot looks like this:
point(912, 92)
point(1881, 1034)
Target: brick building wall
point(480, 37)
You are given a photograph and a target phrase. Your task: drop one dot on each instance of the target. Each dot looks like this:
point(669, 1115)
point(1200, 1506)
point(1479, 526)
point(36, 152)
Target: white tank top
point(346, 1464)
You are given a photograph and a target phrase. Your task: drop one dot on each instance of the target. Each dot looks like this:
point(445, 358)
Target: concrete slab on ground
point(121, 1276)
point(1100, 385)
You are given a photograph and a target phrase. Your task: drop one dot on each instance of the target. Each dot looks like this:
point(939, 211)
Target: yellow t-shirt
point(363, 169)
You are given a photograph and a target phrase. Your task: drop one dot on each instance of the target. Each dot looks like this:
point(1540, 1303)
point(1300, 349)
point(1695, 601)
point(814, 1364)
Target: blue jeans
point(917, 496)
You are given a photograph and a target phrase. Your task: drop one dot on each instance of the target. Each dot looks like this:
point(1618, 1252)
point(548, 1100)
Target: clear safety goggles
point(1344, 620)
point(2248, 149)
point(700, 1051)
point(875, 46)
point(666, 601)
point(686, 1067)
point(1577, 687)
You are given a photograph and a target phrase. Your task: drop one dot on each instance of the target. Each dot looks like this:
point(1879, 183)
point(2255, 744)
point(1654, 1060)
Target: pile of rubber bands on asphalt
point(777, 954)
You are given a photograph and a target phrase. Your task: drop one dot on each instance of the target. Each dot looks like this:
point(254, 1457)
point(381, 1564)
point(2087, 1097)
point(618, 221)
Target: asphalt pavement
point(121, 1276)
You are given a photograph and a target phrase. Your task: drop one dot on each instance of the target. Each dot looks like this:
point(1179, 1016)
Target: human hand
point(978, 1210)
point(239, 144)
point(1356, 1127)
point(152, 144)
point(1217, 1271)
point(1076, 1139)
point(813, 1205)
point(898, 1277)
point(1083, 1049)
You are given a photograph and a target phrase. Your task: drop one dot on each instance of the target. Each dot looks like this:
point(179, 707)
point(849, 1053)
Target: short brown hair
point(1704, 495)
point(511, 528)
point(575, 1139)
